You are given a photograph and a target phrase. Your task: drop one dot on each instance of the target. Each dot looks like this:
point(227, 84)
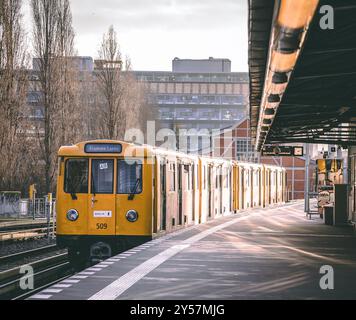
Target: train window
point(193, 177)
point(256, 178)
point(129, 179)
point(172, 178)
point(76, 176)
point(102, 179)
point(188, 175)
point(204, 177)
point(226, 178)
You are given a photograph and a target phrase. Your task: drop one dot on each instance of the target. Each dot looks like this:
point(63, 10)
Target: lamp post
point(306, 181)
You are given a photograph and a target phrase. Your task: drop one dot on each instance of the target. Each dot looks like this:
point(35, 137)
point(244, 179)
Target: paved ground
point(261, 254)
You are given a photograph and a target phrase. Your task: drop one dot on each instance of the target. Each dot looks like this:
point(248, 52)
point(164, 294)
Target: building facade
point(197, 94)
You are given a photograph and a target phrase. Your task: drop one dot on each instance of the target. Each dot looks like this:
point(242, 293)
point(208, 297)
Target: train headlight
point(132, 216)
point(72, 215)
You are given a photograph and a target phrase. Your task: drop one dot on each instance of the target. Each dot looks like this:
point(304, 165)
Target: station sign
point(283, 151)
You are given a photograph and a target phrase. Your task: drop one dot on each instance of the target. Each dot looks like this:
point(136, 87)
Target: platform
point(273, 253)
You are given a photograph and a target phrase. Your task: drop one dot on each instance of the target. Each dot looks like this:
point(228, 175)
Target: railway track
point(45, 272)
point(10, 226)
point(23, 234)
point(27, 254)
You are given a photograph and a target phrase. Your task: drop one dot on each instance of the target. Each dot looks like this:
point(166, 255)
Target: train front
point(104, 199)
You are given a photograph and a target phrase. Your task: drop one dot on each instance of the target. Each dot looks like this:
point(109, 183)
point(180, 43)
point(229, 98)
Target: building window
point(153, 87)
point(187, 88)
point(228, 88)
point(212, 88)
point(179, 88)
point(220, 88)
point(204, 88)
point(237, 88)
point(245, 151)
point(170, 87)
point(162, 88)
point(195, 88)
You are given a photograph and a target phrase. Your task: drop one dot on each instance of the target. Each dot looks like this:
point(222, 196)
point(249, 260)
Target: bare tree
point(53, 45)
point(111, 115)
point(13, 92)
point(121, 104)
point(135, 101)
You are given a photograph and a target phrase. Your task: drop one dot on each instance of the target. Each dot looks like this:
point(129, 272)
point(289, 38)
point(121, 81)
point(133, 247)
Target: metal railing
point(30, 209)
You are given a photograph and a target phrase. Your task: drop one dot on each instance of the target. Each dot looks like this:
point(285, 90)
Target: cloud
point(153, 32)
point(157, 14)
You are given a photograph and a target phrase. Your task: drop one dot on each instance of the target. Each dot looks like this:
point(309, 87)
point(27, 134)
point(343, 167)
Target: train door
point(230, 186)
point(252, 186)
point(76, 193)
point(180, 194)
point(242, 188)
point(221, 181)
point(194, 186)
point(260, 186)
point(163, 195)
point(277, 186)
point(210, 177)
point(270, 192)
point(134, 189)
point(236, 178)
point(247, 190)
point(101, 202)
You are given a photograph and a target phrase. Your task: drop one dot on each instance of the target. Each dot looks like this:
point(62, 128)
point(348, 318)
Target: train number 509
point(101, 226)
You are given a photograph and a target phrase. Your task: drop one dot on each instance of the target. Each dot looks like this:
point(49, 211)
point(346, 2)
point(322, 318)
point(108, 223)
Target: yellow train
point(112, 195)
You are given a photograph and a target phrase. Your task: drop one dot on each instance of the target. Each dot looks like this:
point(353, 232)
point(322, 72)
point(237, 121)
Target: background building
point(197, 94)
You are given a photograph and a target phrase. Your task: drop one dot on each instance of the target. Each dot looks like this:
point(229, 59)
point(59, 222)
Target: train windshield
point(76, 176)
point(102, 177)
point(129, 177)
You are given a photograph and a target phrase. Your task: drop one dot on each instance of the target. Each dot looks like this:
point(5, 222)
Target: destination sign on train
point(283, 151)
point(103, 148)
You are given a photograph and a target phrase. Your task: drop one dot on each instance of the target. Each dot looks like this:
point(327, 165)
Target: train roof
point(116, 148)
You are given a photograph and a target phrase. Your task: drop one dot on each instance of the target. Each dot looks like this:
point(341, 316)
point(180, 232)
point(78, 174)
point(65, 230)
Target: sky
point(153, 32)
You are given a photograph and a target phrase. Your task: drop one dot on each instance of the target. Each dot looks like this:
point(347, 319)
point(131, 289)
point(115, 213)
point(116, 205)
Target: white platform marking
point(52, 290)
point(118, 287)
point(85, 273)
point(41, 296)
point(94, 269)
point(79, 277)
point(62, 285)
point(70, 281)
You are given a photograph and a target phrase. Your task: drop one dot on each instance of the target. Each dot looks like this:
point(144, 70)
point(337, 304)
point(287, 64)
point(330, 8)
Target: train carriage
point(113, 195)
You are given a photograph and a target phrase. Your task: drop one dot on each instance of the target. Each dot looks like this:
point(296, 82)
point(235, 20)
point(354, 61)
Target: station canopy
point(316, 101)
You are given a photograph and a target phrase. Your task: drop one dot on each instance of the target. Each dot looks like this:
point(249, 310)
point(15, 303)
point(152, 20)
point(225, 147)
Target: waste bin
point(329, 215)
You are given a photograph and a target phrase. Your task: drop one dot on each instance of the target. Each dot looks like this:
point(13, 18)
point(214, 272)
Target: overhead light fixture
point(274, 98)
point(289, 29)
point(296, 14)
point(280, 78)
point(269, 112)
point(267, 121)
